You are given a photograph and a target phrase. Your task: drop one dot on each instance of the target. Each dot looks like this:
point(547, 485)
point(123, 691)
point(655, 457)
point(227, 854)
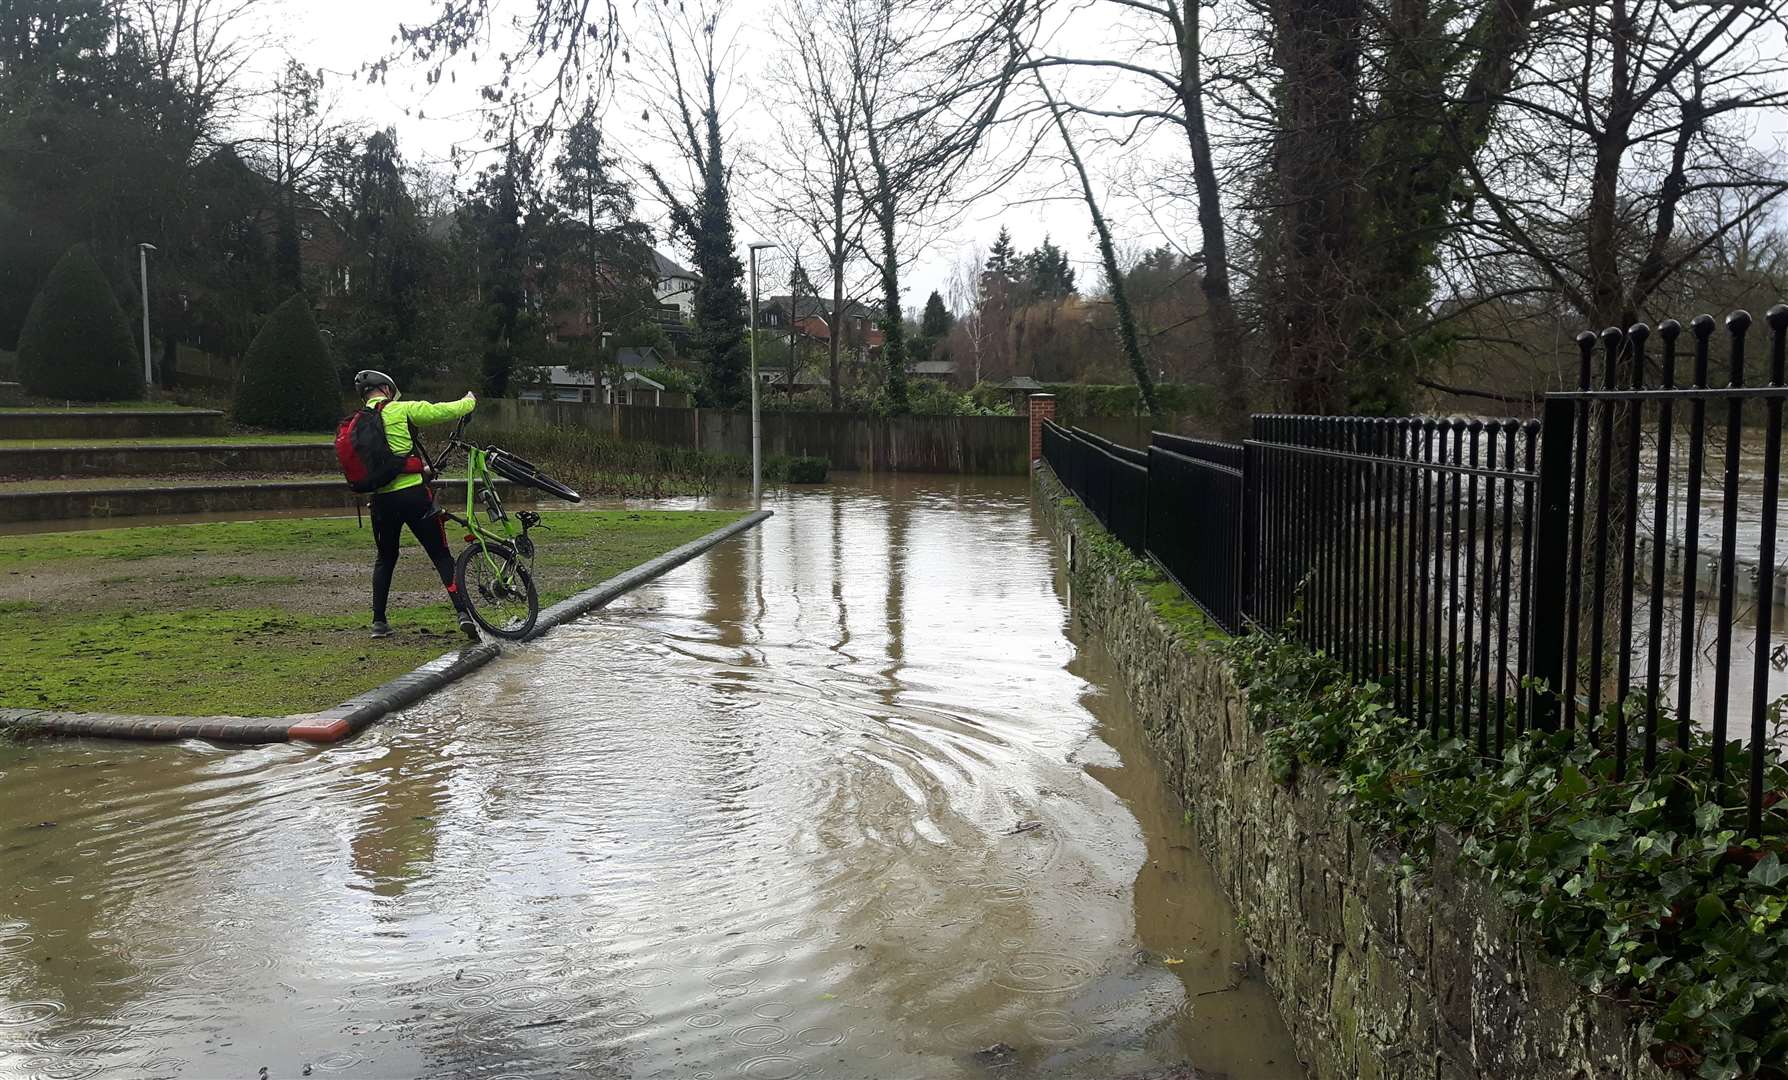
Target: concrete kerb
point(359, 712)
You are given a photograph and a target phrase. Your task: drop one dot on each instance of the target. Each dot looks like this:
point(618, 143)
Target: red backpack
point(367, 461)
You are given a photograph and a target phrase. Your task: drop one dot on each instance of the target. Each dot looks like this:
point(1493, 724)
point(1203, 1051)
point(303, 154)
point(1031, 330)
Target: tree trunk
point(893, 332)
point(1316, 167)
point(1114, 277)
point(835, 331)
point(1227, 339)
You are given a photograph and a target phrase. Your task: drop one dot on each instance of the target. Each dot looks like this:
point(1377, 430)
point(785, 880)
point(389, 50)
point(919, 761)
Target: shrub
point(76, 342)
point(288, 380)
point(672, 380)
point(808, 470)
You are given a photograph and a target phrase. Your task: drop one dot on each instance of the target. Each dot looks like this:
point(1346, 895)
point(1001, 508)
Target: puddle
point(842, 798)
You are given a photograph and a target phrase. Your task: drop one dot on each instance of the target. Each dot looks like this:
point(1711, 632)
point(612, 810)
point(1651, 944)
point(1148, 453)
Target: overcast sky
point(340, 35)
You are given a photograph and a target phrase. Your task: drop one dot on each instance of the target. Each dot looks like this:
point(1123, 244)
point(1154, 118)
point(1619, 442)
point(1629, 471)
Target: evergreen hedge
point(288, 380)
point(76, 342)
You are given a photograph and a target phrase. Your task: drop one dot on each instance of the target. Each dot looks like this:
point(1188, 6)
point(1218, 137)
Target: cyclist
point(408, 500)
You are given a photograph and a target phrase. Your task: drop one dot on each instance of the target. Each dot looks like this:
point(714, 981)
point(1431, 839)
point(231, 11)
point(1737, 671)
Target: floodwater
point(846, 797)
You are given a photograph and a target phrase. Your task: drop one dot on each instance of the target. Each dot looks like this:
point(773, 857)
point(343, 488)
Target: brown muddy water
point(846, 797)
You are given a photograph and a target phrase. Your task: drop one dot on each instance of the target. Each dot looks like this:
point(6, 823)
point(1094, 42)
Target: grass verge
point(259, 618)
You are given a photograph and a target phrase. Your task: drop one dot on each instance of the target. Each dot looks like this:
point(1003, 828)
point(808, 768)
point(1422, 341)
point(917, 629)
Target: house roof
point(634, 378)
point(668, 268)
point(1021, 382)
point(779, 377)
point(559, 375)
point(806, 306)
point(934, 367)
point(640, 359)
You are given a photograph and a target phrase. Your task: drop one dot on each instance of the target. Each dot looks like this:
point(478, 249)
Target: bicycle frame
point(479, 485)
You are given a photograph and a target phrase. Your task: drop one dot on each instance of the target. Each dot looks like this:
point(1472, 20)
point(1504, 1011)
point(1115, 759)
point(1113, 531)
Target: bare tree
point(553, 60)
point(1168, 68)
point(816, 156)
point(1624, 159)
point(680, 77)
point(203, 47)
point(302, 134)
point(966, 300)
point(1114, 275)
point(927, 95)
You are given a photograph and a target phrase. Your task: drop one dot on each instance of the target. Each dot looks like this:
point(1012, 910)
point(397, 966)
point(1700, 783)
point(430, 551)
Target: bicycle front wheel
point(499, 590)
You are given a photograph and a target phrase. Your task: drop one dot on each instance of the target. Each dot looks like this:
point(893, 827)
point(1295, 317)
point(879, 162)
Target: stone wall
point(1377, 977)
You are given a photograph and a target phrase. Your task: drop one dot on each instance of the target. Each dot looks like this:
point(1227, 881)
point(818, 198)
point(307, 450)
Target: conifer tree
point(76, 342)
point(288, 380)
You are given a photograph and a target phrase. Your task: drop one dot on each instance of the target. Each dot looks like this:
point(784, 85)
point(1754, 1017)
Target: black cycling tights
point(391, 511)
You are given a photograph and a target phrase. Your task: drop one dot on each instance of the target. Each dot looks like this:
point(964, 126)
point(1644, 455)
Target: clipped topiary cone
point(288, 380)
point(76, 342)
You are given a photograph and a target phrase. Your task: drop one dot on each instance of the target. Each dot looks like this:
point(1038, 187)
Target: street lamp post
point(143, 251)
point(757, 457)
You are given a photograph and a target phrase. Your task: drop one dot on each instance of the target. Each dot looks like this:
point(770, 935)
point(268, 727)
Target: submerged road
point(847, 797)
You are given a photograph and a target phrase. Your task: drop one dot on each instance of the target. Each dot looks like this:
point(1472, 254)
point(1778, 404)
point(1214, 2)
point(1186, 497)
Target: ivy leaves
point(1642, 886)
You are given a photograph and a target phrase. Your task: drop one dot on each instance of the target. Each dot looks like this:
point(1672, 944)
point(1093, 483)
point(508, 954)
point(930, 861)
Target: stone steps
point(120, 423)
point(43, 462)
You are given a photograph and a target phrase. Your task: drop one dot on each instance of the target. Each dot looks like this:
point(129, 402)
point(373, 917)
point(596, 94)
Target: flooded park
point(849, 796)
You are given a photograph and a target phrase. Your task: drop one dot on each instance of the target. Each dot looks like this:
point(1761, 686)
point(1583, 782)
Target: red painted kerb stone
point(1042, 408)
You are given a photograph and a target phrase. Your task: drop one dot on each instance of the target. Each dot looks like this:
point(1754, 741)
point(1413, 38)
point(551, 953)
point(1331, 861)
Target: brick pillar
point(1042, 408)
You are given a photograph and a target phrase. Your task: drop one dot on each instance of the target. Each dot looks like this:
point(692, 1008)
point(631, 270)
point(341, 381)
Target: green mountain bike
point(495, 571)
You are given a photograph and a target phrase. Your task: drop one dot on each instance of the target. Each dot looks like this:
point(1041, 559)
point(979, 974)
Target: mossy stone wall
point(1378, 977)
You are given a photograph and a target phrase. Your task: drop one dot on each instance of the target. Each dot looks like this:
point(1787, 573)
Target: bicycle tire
point(522, 471)
point(468, 574)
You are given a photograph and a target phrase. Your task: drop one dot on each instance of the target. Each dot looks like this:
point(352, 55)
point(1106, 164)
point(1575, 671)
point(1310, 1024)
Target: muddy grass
point(261, 617)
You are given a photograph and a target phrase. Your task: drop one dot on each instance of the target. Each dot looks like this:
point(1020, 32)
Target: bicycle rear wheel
point(498, 589)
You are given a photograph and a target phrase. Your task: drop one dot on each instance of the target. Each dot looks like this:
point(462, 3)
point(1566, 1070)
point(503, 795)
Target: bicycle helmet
point(365, 382)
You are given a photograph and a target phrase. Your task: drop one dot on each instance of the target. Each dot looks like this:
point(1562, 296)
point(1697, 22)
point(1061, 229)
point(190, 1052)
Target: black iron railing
point(1183, 512)
point(1608, 568)
point(1643, 607)
point(1111, 480)
point(1195, 530)
point(1217, 453)
point(1399, 547)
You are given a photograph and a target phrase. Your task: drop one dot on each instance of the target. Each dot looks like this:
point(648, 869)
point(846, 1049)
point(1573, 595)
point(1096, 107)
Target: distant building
point(777, 379)
point(1019, 389)
point(324, 252)
point(676, 285)
point(560, 383)
point(811, 317)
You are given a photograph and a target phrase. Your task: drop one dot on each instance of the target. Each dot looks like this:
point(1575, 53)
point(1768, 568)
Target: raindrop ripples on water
point(755, 820)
